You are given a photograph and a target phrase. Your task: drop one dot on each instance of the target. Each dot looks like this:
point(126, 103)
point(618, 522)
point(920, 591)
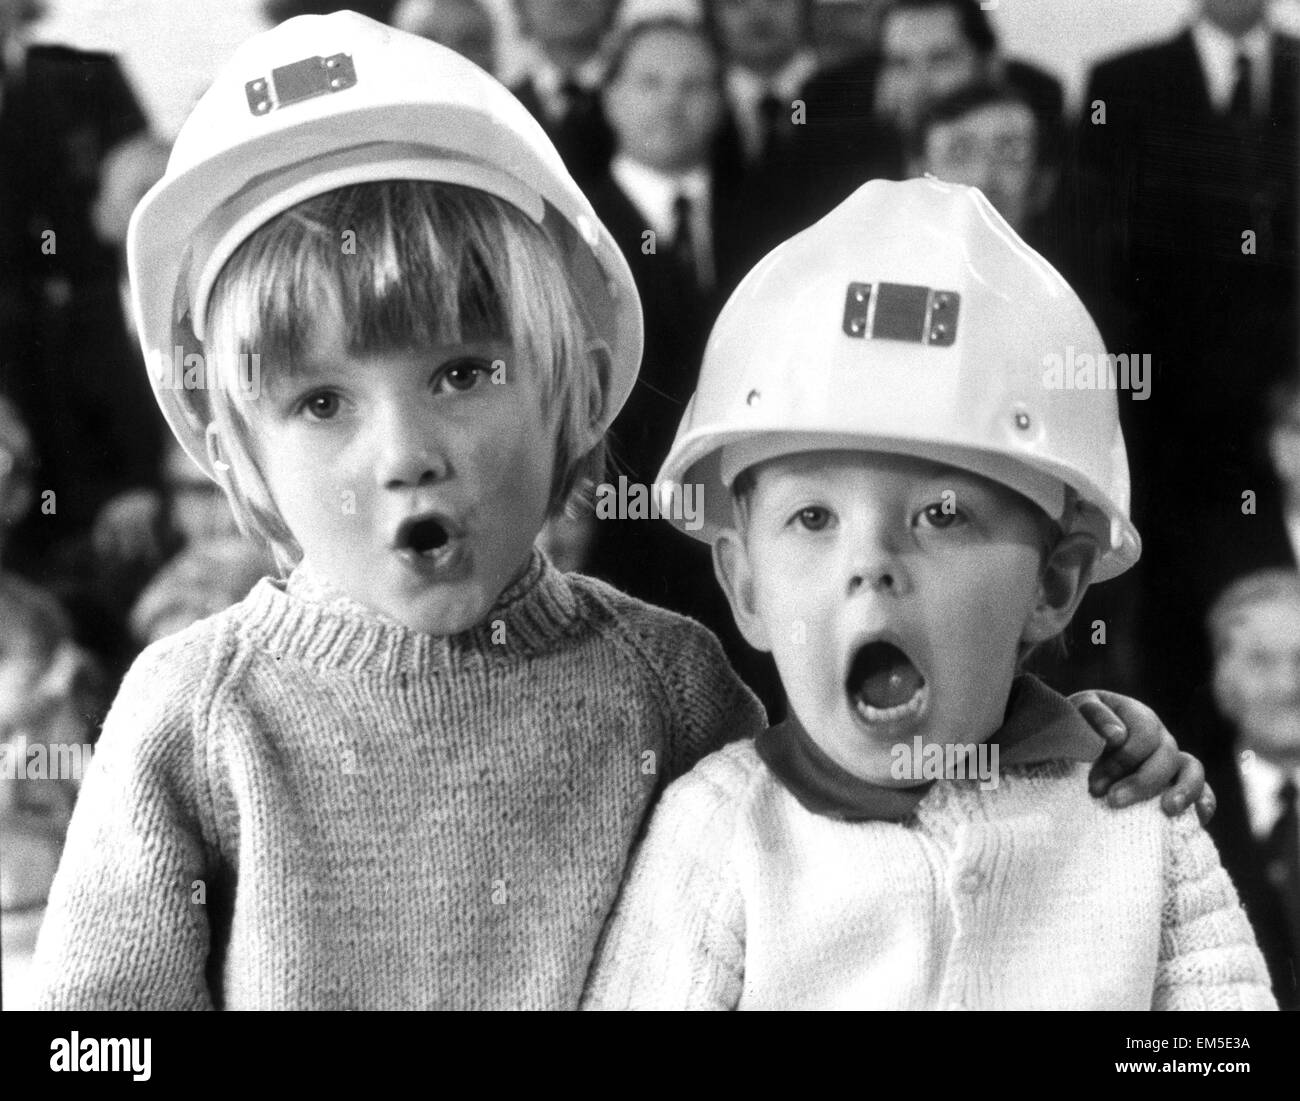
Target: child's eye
point(941, 516)
point(813, 518)
point(463, 374)
point(321, 406)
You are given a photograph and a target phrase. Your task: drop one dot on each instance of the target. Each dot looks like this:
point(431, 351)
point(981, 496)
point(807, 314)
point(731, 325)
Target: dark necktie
point(769, 120)
point(1283, 855)
point(684, 250)
point(1242, 105)
point(575, 98)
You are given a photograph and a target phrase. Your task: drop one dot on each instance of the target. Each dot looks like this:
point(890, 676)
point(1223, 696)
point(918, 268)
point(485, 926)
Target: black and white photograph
point(650, 505)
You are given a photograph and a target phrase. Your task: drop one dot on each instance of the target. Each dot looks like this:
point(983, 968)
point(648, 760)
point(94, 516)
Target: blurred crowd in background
point(705, 132)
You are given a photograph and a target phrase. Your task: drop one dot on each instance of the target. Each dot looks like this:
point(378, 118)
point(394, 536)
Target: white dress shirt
point(1262, 783)
point(1292, 518)
point(15, 58)
point(653, 193)
point(1218, 52)
point(548, 79)
point(746, 89)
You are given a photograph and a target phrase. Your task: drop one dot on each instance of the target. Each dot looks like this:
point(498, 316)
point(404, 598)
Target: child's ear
point(1063, 580)
point(732, 567)
point(217, 457)
point(602, 366)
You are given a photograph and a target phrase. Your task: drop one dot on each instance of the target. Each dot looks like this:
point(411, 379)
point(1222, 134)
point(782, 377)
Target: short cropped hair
point(433, 262)
point(967, 100)
point(975, 25)
point(620, 46)
point(709, 13)
point(1263, 587)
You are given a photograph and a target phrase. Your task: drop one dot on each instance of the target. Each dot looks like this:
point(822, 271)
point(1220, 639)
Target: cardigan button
point(970, 882)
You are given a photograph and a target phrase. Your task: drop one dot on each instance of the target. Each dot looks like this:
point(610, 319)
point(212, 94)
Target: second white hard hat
point(911, 320)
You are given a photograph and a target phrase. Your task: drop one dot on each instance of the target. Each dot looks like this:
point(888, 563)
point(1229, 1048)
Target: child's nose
point(407, 455)
point(874, 565)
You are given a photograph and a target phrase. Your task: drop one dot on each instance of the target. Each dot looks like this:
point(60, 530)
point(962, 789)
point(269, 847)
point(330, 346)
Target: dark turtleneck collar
point(1039, 725)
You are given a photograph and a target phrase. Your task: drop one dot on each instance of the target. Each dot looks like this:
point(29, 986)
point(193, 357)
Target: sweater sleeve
point(1208, 955)
point(676, 938)
point(710, 705)
point(127, 926)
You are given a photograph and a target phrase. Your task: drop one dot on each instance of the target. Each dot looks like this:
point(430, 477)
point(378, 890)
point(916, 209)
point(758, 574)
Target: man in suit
point(1187, 177)
point(662, 201)
point(682, 235)
point(862, 115)
point(465, 26)
point(843, 30)
point(1248, 736)
point(65, 358)
point(564, 72)
point(769, 58)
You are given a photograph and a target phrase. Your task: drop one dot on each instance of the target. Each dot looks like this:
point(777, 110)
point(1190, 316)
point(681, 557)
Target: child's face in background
point(1257, 679)
point(412, 481)
point(893, 593)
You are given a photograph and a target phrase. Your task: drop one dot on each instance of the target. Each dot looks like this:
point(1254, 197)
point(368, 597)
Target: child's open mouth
point(884, 685)
point(429, 541)
point(423, 535)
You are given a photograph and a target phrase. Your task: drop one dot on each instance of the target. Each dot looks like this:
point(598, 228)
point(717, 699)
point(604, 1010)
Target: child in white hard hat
point(378, 311)
point(904, 502)
point(380, 314)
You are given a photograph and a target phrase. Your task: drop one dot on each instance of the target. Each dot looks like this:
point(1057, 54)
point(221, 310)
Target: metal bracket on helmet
point(899, 311)
point(305, 79)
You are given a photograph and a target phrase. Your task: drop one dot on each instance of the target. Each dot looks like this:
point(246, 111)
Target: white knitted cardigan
point(1031, 895)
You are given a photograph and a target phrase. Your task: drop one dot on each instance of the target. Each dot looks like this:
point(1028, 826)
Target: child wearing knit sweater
point(411, 774)
point(916, 504)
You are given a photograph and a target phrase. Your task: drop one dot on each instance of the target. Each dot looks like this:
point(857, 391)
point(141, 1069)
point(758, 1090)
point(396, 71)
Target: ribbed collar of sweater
point(308, 618)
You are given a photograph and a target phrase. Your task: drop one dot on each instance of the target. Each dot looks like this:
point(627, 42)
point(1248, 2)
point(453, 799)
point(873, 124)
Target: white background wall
point(172, 47)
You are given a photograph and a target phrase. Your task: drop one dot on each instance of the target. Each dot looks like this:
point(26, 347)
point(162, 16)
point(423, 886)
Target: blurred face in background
point(924, 57)
point(994, 148)
point(665, 103)
point(1257, 677)
point(17, 465)
point(461, 25)
point(572, 25)
point(11, 18)
point(197, 508)
point(1284, 447)
point(844, 29)
point(1236, 17)
point(760, 34)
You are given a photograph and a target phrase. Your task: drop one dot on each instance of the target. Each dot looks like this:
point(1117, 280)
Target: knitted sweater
point(1030, 895)
point(299, 804)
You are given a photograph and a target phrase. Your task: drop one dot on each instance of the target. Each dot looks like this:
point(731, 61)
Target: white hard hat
point(911, 320)
point(318, 103)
